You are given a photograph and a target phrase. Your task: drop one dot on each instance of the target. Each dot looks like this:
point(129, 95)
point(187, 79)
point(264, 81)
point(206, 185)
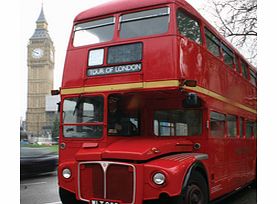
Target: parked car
point(34, 161)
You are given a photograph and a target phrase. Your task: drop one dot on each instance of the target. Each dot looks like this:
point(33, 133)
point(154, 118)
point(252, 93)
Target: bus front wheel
point(196, 190)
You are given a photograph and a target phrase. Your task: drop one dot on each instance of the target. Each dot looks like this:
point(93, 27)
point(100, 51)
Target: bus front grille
point(107, 180)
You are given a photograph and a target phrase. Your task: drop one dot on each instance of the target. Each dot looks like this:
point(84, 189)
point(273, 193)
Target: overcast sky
point(59, 15)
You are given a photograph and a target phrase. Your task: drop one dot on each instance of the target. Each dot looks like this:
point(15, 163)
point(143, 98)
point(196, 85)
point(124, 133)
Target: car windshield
point(83, 117)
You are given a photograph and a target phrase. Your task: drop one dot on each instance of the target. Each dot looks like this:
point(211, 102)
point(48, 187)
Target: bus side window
point(217, 124)
point(213, 43)
point(244, 70)
point(253, 77)
point(241, 129)
point(255, 129)
point(232, 125)
point(188, 27)
point(228, 56)
point(249, 129)
point(237, 64)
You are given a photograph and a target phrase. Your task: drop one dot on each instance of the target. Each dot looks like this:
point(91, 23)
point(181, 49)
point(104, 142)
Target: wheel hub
point(195, 195)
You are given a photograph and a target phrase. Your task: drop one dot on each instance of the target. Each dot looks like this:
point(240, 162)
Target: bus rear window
point(178, 122)
point(144, 23)
point(93, 32)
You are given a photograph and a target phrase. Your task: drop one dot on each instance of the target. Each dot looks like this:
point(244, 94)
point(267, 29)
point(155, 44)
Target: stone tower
point(40, 76)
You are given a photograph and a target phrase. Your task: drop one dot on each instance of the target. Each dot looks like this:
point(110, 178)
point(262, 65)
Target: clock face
point(37, 53)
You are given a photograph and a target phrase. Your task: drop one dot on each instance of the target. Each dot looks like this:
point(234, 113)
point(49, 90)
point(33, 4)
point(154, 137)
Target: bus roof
point(119, 6)
point(115, 6)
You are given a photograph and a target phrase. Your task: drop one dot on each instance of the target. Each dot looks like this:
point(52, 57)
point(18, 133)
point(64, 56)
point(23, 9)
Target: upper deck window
point(144, 23)
point(213, 43)
point(94, 32)
point(188, 27)
point(244, 70)
point(253, 77)
point(237, 64)
point(228, 55)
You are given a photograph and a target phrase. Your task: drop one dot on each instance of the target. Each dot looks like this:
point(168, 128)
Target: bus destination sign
point(114, 69)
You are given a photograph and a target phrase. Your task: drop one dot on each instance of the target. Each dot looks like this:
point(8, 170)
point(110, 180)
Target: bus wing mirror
point(191, 100)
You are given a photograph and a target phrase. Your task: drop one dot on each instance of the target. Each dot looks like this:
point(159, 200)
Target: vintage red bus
point(156, 106)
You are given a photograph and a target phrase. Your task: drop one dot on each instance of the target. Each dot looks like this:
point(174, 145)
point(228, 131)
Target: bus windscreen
point(94, 32)
point(144, 23)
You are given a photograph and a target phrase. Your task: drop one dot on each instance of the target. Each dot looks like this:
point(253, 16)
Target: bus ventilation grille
point(107, 180)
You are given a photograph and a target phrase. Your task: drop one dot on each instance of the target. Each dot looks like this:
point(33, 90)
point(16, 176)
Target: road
point(39, 190)
point(44, 190)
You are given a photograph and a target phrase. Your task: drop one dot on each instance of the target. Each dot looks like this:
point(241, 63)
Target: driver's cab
point(123, 116)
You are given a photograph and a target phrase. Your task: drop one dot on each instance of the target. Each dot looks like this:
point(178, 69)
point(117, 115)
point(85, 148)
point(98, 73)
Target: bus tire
point(196, 190)
point(68, 197)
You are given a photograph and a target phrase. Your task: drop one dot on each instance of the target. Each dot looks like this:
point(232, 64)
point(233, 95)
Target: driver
point(114, 116)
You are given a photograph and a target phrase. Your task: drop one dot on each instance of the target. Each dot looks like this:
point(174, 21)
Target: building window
point(217, 124)
point(188, 27)
point(186, 122)
point(232, 125)
point(213, 43)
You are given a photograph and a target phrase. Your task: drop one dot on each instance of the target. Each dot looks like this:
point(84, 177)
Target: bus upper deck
point(153, 44)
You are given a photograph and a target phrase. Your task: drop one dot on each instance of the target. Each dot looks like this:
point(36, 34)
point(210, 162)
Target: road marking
point(30, 184)
point(54, 203)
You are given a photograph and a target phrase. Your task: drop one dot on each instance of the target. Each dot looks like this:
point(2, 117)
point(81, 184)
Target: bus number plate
point(104, 202)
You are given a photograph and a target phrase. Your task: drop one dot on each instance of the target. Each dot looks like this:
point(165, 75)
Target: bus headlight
point(159, 178)
point(66, 173)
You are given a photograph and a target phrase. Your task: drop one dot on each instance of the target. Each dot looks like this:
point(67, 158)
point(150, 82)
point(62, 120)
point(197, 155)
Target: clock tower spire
point(40, 76)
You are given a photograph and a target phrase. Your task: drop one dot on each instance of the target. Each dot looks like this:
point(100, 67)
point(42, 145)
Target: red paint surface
point(231, 162)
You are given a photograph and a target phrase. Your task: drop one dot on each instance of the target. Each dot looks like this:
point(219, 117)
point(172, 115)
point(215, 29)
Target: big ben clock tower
point(40, 75)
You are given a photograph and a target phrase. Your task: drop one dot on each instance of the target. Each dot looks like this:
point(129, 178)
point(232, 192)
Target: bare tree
point(237, 21)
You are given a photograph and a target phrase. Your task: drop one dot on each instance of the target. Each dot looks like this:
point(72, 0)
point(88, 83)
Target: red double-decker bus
point(156, 107)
